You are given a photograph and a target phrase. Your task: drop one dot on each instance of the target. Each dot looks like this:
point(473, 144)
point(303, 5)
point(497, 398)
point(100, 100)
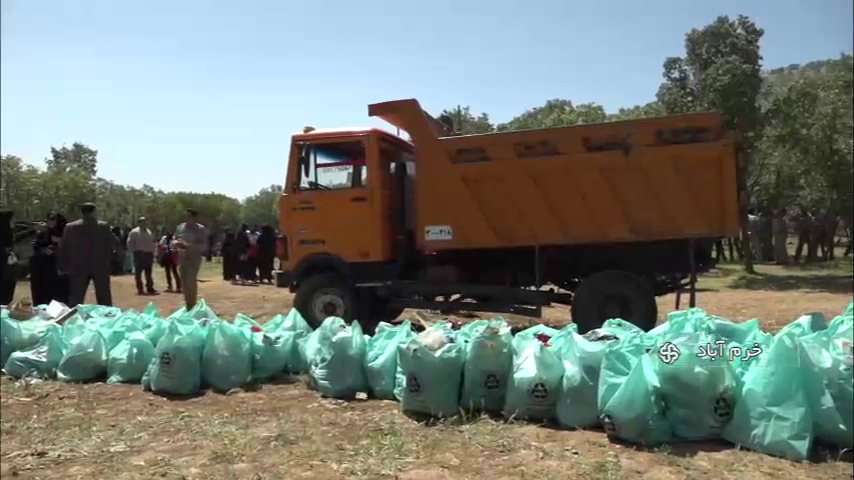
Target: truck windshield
point(334, 165)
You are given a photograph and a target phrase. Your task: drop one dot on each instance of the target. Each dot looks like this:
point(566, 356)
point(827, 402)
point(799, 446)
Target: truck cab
point(344, 208)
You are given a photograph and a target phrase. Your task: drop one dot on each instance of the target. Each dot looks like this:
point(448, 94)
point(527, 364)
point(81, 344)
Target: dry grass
point(57, 431)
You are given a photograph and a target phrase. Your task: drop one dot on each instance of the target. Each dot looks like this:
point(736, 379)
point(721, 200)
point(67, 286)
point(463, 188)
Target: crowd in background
point(247, 255)
point(66, 257)
point(769, 233)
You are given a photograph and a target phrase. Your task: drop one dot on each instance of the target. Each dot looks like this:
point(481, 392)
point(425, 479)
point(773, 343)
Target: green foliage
point(466, 123)
point(555, 113)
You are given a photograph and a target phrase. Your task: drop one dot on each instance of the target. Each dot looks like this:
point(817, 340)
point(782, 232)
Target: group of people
point(68, 256)
point(248, 254)
point(769, 233)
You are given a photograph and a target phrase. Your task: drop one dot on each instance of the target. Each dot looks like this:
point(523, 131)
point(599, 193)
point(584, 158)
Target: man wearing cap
point(84, 253)
point(191, 239)
point(141, 244)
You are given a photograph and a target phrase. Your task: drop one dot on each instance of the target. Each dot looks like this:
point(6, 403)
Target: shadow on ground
point(825, 282)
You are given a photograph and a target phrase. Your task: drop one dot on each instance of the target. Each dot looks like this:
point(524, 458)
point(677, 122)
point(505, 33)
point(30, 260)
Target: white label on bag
point(434, 233)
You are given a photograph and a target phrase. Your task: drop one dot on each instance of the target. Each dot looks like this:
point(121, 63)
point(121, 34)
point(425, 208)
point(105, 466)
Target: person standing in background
point(252, 266)
point(781, 238)
point(8, 261)
point(141, 244)
point(209, 252)
point(241, 248)
point(46, 283)
point(168, 259)
point(266, 253)
point(229, 257)
point(191, 241)
point(85, 252)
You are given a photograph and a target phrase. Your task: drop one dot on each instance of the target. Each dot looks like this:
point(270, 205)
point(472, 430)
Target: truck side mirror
point(305, 160)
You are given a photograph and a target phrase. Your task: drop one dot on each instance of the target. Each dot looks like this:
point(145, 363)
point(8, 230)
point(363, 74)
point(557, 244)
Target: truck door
point(330, 210)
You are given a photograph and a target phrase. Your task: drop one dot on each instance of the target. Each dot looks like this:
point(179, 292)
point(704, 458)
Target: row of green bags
point(175, 356)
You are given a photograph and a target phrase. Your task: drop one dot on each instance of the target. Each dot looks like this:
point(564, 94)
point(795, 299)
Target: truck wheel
point(325, 295)
point(614, 294)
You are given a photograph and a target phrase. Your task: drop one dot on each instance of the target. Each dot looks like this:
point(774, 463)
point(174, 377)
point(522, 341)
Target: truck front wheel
point(325, 295)
point(614, 294)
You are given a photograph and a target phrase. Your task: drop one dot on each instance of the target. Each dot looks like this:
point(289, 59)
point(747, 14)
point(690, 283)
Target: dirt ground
point(61, 431)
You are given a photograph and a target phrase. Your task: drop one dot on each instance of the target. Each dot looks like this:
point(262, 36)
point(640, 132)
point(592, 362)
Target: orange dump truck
point(602, 217)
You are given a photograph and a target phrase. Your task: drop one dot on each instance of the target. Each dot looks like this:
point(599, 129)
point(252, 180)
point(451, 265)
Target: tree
point(466, 123)
point(79, 158)
point(721, 71)
point(555, 113)
point(651, 109)
point(262, 208)
point(806, 152)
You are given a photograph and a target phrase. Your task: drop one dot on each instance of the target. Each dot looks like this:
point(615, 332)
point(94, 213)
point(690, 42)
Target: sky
point(203, 96)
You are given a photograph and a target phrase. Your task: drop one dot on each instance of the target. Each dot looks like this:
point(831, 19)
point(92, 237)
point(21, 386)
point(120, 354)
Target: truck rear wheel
point(325, 295)
point(614, 294)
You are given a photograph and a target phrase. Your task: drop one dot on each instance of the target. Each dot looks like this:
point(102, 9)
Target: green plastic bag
point(699, 391)
point(200, 312)
point(738, 333)
point(381, 357)
point(577, 405)
point(116, 328)
point(129, 360)
point(176, 367)
point(292, 322)
point(636, 412)
point(827, 363)
point(152, 326)
point(92, 311)
point(30, 332)
point(849, 310)
point(74, 327)
point(336, 356)
point(804, 325)
point(41, 360)
point(488, 364)
point(430, 379)
point(772, 413)
point(9, 332)
point(85, 359)
point(227, 356)
point(270, 353)
point(617, 363)
point(537, 374)
point(681, 321)
point(621, 328)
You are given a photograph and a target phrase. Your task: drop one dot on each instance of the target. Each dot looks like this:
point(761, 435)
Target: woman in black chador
point(46, 283)
point(229, 256)
point(266, 253)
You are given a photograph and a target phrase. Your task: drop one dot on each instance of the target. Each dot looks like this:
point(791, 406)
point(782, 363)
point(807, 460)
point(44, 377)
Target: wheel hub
point(328, 303)
point(617, 307)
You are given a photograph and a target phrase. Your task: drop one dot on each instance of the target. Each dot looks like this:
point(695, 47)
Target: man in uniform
point(84, 253)
point(191, 239)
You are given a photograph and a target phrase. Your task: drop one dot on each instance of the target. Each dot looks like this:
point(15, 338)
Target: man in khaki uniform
point(191, 239)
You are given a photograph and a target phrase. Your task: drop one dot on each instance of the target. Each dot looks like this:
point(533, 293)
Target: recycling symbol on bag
point(491, 382)
point(165, 359)
point(539, 391)
point(412, 384)
point(723, 408)
point(608, 424)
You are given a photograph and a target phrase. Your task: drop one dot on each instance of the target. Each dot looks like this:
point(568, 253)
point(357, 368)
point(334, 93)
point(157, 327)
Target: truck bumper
point(284, 278)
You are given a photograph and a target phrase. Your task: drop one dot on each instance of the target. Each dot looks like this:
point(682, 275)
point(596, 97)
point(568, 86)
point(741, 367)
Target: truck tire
point(325, 295)
point(614, 294)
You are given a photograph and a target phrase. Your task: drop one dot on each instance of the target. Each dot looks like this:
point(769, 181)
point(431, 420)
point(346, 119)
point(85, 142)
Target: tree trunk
point(743, 200)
